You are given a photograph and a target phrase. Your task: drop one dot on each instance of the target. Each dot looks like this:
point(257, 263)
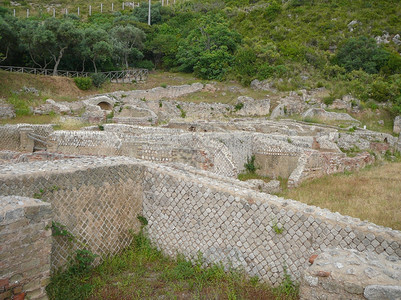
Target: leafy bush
point(362, 53)
point(238, 106)
point(83, 83)
point(83, 261)
point(382, 91)
point(98, 79)
point(144, 64)
point(396, 108)
point(141, 13)
point(273, 10)
point(213, 64)
point(328, 100)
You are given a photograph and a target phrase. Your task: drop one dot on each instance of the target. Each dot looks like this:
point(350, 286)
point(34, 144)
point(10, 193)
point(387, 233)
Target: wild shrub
point(98, 79)
point(250, 166)
point(83, 83)
point(381, 91)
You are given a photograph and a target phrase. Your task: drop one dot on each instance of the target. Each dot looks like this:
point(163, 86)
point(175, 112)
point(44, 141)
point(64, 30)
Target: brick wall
point(25, 247)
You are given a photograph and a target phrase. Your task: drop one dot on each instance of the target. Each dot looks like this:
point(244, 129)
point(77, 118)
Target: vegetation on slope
point(295, 43)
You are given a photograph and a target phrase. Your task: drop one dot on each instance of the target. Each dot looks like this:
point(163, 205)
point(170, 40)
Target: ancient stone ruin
point(181, 175)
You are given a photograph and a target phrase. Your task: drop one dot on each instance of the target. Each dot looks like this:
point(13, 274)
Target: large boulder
point(320, 113)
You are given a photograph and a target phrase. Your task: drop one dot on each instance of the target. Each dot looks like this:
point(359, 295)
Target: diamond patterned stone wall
point(98, 203)
point(259, 233)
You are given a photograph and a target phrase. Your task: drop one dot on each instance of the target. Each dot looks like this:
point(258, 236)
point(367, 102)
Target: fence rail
point(86, 10)
point(124, 76)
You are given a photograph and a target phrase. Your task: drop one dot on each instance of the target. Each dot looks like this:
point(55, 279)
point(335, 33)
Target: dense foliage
point(294, 43)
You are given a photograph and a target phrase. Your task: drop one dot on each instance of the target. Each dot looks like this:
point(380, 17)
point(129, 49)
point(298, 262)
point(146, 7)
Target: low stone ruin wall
point(96, 199)
point(14, 137)
point(314, 164)
point(221, 153)
point(25, 247)
point(160, 92)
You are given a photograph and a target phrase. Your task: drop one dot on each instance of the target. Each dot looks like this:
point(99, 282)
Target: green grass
point(371, 194)
point(248, 176)
point(143, 272)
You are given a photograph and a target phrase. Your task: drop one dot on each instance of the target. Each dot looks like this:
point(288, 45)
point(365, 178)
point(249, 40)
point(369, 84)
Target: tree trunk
point(5, 57)
point(94, 64)
point(83, 65)
point(126, 62)
point(57, 60)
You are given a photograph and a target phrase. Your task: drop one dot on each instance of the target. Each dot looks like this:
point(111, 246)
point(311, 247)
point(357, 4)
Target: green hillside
point(295, 44)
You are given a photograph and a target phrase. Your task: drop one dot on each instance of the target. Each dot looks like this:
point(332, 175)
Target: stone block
point(380, 292)
point(397, 125)
point(349, 274)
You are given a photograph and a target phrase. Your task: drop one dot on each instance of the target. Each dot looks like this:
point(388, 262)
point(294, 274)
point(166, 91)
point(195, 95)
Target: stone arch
point(105, 105)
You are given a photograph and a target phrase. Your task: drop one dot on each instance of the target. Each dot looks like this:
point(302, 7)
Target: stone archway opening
point(105, 105)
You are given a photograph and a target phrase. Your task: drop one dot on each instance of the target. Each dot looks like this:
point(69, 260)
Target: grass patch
point(248, 176)
point(30, 119)
point(371, 194)
point(143, 272)
point(371, 119)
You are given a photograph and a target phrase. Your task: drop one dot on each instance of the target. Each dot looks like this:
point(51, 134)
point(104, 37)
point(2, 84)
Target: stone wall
point(258, 232)
point(188, 211)
point(7, 111)
point(315, 164)
point(160, 92)
point(14, 137)
point(25, 247)
point(97, 199)
point(222, 153)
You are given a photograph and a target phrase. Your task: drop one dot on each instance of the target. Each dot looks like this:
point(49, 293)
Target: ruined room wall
point(188, 213)
point(97, 200)
point(10, 135)
point(25, 247)
point(204, 152)
point(315, 164)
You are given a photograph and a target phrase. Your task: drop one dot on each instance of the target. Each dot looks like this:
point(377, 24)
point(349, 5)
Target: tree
point(37, 41)
point(362, 53)
point(96, 45)
point(66, 35)
point(210, 45)
point(9, 28)
point(127, 41)
point(142, 13)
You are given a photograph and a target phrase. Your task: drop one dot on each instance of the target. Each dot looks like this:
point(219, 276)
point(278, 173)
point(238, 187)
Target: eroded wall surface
point(25, 246)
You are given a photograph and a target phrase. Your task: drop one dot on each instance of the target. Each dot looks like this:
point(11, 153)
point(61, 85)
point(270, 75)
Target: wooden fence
point(124, 76)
